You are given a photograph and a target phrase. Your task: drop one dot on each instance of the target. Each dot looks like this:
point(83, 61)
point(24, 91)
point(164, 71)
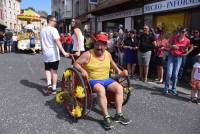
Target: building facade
point(2, 25)
point(81, 10)
point(112, 13)
point(11, 8)
point(172, 13)
point(133, 14)
point(62, 10)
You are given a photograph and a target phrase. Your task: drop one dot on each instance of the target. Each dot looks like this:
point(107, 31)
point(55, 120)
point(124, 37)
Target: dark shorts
point(159, 61)
point(51, 65)
point(9, 42)
point(1, 42)
point(105, 83)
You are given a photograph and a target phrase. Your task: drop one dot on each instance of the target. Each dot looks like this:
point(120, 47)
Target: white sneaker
point(54, 92)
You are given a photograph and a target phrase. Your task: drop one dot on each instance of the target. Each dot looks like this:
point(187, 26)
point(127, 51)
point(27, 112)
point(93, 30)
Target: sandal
point(160, 81)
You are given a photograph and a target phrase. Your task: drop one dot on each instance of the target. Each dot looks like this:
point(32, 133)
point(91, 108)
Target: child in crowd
point(195, 81)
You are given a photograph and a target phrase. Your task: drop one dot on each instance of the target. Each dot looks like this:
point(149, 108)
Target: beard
point(99, 52)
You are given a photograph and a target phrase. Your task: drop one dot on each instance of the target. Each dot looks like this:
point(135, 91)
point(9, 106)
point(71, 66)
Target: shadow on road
point(39, 87)
point(158, 91)
point(33, 85)
point(61, 113)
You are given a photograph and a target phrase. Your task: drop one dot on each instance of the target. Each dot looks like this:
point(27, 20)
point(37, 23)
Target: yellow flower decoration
point(79, 92)
point(60, 97)
point(67, 73)
point(126, 90)
point(77, 111)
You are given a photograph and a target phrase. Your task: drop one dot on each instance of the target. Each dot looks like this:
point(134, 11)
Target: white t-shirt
point(197, 71)
point(50, 50)
point(75, 43)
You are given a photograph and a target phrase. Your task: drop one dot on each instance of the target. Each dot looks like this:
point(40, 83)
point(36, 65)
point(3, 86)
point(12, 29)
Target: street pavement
point(24, 108)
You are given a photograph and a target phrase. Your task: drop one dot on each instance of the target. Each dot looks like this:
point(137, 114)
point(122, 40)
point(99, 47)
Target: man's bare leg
point(101, 96)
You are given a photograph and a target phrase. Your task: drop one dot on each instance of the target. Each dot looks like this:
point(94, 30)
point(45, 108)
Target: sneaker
point(121, 119)
point(107, 122)
point(53, 92)
point(173, 92)
point(198, 100)
point(165, 92)
point(49, 90)
point(194, 100)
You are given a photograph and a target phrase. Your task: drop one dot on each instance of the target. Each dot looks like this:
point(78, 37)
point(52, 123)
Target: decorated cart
point(24, 36)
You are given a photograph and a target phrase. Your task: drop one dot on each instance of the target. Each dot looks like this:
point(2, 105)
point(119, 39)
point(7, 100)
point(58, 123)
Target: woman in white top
point(77, 37)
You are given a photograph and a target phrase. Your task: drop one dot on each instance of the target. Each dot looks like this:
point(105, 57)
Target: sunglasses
point(53, 20)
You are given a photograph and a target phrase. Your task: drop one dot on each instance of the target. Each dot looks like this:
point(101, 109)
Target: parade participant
point(95, 66)
point(195, 81)
point(51, 44)
point(32, 42)
point(77, 37)
point(180, 47)
point(147, 42)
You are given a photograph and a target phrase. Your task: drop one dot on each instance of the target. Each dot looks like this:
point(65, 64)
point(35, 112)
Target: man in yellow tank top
point(95, 66)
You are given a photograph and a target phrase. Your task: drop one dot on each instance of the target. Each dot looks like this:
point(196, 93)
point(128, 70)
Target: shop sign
point(123, 14)
point(93, 1)
point(170, 5)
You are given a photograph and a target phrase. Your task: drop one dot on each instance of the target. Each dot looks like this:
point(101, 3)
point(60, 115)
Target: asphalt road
point(24, 109)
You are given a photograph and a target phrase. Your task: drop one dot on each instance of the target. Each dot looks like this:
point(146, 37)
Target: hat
point(101, 37)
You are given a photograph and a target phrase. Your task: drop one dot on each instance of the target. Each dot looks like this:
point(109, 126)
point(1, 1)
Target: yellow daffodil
point(60, 97)
point(67, 73)
point(126, 90)
point(77, 111)
point(79, 93)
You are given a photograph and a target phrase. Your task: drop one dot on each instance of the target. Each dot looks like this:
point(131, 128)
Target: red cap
point(101, 37)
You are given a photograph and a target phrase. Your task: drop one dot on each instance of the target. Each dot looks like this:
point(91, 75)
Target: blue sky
point(44, 5)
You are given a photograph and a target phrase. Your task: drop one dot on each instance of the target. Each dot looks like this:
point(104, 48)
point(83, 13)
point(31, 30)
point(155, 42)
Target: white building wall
point(63, 9)
point(11, 8)
point(1, 13)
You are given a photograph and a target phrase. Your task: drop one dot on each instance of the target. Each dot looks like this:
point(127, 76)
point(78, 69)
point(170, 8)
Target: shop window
point(170, 21)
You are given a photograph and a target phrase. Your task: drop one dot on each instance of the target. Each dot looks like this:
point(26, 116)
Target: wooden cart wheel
point(125, 82)
point(75, 94)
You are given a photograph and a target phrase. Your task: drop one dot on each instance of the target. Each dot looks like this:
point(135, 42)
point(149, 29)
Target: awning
point(29, 15)
point(108, 4)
